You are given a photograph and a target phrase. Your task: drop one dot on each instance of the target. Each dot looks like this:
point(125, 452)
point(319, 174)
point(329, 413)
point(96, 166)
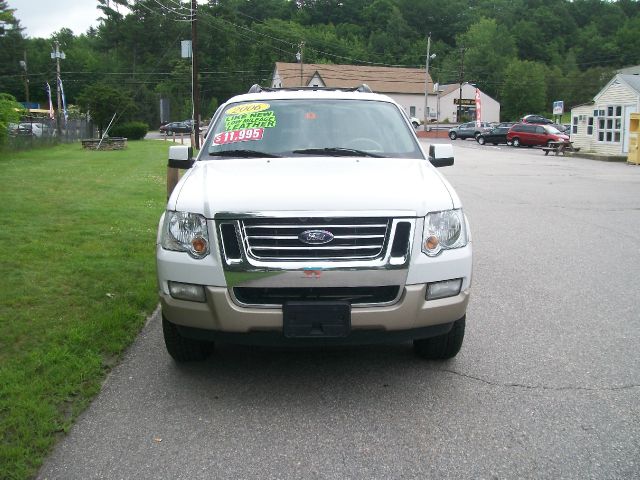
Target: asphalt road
point(547, 384)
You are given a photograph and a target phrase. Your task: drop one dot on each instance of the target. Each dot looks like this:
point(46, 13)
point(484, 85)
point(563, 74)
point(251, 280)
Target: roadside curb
point(596, 156)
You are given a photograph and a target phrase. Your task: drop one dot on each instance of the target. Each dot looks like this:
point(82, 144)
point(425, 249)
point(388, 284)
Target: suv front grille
point(280, 238)
point(354, 295)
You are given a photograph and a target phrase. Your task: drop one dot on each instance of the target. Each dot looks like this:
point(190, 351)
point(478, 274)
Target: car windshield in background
point(552, 130)
point(312, 127)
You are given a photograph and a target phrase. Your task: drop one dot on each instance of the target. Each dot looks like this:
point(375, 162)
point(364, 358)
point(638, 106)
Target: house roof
point(380, 79)
point(631, 81)
point(450, 87)
point(633, 70)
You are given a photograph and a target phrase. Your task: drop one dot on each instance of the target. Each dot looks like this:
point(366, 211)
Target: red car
point(530, 135)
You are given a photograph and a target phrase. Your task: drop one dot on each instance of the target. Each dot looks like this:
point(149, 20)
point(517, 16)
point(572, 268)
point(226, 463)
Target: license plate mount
point(316, 319)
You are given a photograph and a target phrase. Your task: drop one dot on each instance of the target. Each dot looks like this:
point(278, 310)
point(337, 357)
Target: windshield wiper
point(243, 154)
point(337, 152)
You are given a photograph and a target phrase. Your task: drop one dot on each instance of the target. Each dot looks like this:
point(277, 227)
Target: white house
point(450, 96)
point(405, 85)
point(602, 126)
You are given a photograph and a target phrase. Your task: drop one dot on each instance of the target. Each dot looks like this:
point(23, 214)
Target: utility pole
point(194, 79)
point(459, 114)
point(23, 64)
point(300, 57)
point(57, 55)
point(426, 83)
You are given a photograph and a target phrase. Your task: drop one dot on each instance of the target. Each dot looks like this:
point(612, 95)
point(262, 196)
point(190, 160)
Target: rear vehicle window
point(280, 127)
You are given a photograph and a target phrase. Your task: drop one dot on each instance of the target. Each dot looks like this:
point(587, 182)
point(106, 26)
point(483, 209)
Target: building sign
point(469, 102)
point(558, 107)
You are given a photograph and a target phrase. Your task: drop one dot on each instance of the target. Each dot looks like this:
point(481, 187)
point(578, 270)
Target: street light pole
point(459, 114)
point(430, 56)
point(194, 76)
point(426, 83)
point(57, 55)
point(300, 58)
point(23, 64)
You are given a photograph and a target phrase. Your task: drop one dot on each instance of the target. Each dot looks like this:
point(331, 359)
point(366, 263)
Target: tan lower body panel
point(222, 314)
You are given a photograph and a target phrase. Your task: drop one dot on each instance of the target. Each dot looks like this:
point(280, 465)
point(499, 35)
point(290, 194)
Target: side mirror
point(441, 154)
point(180, 157)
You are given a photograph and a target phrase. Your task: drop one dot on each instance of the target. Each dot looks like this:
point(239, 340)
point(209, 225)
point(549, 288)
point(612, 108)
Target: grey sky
point(40, 18)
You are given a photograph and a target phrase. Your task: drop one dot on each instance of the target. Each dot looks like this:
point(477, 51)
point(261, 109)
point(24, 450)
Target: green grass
point(78, 280)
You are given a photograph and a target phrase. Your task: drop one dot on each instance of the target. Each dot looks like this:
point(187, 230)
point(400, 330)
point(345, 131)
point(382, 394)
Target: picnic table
point(559, 147)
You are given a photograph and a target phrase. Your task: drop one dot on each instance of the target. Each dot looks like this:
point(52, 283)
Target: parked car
point(469, 130)
point(12, 129)
point(287, 261)
point(415, 122)
point(506, 124)
point(537, 119)
point(530, 135)
point(29, 129)
point(176, 127)
point(495, 135)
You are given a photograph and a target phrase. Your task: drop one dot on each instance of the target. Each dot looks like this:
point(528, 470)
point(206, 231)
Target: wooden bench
point(559, 147)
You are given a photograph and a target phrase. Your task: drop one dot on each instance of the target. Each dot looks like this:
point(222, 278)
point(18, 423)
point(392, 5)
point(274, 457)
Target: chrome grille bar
point(279, 238)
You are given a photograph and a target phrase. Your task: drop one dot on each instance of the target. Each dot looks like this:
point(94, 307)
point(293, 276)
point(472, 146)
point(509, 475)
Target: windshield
point(304, 127)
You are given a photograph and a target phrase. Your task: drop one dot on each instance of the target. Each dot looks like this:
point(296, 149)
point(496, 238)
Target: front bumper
point(221, 314)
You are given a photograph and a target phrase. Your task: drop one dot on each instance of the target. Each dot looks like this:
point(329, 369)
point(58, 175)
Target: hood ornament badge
point(315, 237)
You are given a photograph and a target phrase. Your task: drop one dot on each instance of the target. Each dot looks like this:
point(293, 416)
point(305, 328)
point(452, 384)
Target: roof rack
point(364, 88)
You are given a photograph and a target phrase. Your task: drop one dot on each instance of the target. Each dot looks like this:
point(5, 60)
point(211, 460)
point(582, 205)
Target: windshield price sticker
point(247, 108)
point(264, 119)
point(238, 136)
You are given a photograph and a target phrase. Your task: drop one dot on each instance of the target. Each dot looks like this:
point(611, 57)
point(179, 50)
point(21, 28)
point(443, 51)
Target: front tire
point(452, 135)
point(480, 139)
point(184, 349)
point(516, 142)
point(444, 346)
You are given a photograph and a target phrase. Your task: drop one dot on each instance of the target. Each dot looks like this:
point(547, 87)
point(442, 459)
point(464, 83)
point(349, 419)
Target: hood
point(334, 184)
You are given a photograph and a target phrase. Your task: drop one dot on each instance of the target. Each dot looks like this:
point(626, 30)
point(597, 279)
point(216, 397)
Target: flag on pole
point(478, 108)
point(64, 102)
point(51, 114)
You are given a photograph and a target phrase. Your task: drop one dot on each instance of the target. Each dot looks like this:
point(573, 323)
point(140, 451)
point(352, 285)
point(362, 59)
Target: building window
point(590, 126)
point(609, 125)
point(574, 126)
point(412, 111)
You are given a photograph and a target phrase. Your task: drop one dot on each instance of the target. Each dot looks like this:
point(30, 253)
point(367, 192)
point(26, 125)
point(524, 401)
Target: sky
point(40, 18)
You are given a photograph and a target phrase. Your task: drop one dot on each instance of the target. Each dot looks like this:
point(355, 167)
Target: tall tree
point(12, 45)
point(488, 48)
point(524, 89)
point(102, 102)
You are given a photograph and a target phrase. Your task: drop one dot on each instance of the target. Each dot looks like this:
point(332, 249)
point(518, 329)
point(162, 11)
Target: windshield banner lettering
point(265, 119)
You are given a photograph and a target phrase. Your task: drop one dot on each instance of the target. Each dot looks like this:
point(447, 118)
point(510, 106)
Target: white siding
point(615, 94)
point(316, 81)
point(448, 109)
point(581, 138)
point(407, 100)
point(277, 81)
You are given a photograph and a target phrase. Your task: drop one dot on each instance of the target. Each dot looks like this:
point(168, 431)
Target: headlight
point(443, 231)
point(186, 232)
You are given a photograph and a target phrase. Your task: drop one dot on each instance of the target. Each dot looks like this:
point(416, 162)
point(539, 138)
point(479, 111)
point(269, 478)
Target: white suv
point(313, 216)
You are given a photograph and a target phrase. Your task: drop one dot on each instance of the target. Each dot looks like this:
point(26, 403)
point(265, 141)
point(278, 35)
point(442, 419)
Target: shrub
point(9, 113)
point(130, 130)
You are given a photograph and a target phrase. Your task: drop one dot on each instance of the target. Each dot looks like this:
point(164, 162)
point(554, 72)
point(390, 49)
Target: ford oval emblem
point(315, 237)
